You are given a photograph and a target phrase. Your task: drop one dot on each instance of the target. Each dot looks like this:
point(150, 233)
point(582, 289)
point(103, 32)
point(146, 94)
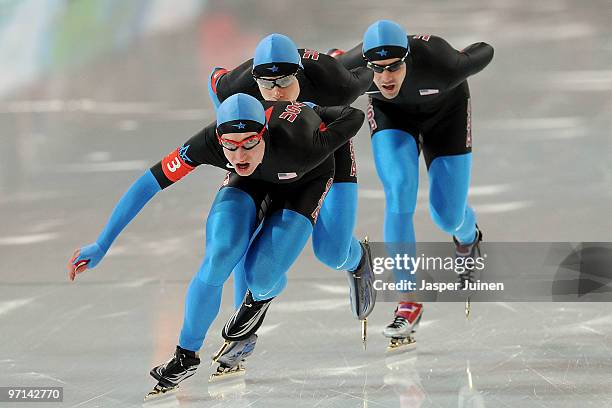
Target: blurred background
point(92, 93)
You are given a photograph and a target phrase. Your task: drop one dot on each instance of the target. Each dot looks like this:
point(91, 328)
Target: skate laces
point(398, 321)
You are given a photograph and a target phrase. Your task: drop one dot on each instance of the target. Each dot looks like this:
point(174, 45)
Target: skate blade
point(398, 345)
point(364, 333)
point(221, 350)
point(226, 373)
point(159, 391)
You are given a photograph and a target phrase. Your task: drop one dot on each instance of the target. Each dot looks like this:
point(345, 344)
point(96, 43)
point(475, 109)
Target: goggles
point(281, 82)
point(247, 144)
point(379, 69)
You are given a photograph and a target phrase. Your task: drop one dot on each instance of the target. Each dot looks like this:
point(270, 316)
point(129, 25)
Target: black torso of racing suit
point(434, 98)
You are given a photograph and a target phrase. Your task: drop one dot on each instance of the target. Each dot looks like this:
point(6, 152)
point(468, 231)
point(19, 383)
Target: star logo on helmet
point(274, 68)
point(382, 53)
point(240, 125)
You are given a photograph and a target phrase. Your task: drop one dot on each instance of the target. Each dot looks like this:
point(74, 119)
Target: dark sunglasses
point(281, 82)
point(246, 144)
point(379, 69)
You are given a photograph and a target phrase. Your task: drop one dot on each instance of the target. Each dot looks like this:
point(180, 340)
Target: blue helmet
point(276, 55)
point(383, 40)
point(240, 113)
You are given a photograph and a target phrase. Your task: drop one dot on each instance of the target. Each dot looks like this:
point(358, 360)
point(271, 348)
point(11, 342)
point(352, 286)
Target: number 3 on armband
point(174, 165)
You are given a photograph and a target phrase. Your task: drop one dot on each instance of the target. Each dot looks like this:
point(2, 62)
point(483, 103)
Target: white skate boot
point(401, 329)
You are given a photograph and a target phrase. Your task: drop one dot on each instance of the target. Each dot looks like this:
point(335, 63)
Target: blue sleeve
point(127, 208)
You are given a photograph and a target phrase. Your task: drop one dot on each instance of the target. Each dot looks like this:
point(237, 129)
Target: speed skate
point(231, 357)
point(401, 330)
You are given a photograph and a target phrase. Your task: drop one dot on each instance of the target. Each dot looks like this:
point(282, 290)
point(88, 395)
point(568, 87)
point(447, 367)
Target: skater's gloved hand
point(84, 258)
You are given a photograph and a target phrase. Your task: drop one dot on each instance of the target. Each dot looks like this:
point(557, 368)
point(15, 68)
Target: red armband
point(174, 167)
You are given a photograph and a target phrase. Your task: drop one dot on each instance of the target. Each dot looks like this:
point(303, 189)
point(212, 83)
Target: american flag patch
point(425, 92)
point(286, 176)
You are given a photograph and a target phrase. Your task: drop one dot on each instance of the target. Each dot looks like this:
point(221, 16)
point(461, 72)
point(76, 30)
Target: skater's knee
point(330, 256)
point(401, 193)
point(225, 247)
point(332, 253)
point(214, 275)
point(400, 200)
point(227, 243)
point(224, 251)
point(447, 219)
point(400, 183)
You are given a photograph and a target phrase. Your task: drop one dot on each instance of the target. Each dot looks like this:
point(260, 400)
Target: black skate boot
point(182, 366)
point(239, 335)
point(362, 294)
point(471, 250)
point(232, 357)
point(247, 319)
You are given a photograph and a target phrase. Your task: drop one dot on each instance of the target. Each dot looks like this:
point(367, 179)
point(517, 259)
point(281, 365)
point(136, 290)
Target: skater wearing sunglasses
point(420, 101)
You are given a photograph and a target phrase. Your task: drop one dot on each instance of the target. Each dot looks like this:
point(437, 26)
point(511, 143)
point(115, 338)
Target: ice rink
point(91, 96)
